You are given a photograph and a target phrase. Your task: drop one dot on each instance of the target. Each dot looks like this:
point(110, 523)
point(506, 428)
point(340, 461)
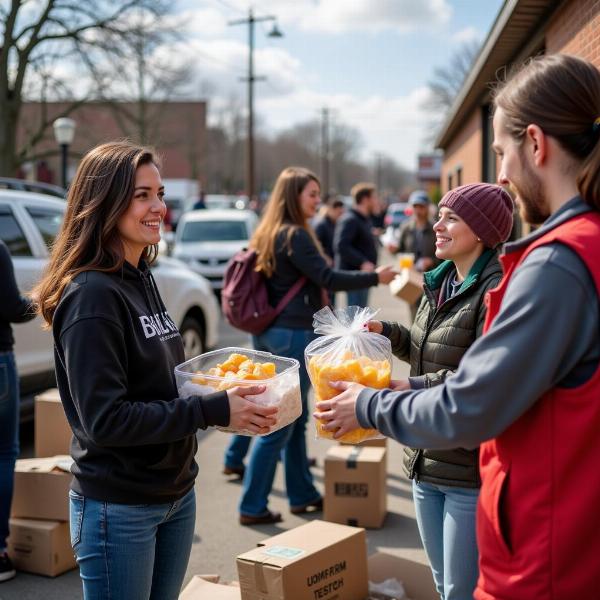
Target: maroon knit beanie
point(487, 209)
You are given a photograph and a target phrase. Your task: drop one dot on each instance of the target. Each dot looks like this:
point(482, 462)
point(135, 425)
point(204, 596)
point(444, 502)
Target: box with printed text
point(316, 561)
point(356, 486)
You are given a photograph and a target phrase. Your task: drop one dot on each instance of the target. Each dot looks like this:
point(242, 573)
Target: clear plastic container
point(283, 389)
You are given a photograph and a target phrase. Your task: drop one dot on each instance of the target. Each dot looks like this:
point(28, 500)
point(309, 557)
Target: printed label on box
point(284, 552)
point(351, 490)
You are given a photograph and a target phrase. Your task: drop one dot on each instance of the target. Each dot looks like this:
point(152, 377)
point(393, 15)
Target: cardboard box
point(356, 486)
point(316, 561)
point(42, 547)
point(407, 286)
point(42, 488)
point(203, 588)
point(416, 577)
point(377, 442)
point(52, 430)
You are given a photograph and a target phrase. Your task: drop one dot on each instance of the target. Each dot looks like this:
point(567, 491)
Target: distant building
point(177, 130)
point(523, 28)
point(429, 170)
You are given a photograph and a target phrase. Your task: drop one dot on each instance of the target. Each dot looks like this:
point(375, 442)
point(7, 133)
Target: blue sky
point(368, 60)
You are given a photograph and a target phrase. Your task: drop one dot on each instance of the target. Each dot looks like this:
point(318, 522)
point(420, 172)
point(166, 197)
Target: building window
point(458, 176)
point(488, 156)
point(449, 181)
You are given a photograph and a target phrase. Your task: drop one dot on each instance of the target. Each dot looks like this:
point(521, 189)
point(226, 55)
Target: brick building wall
point(177, 130)
point(462, 158)
point(575, 29)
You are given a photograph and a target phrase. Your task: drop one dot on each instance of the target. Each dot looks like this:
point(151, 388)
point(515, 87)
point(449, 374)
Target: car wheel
point(192, 335)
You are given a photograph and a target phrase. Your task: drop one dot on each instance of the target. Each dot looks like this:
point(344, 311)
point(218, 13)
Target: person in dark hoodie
point(473, 220)
point(13, 309)
point(132, 504)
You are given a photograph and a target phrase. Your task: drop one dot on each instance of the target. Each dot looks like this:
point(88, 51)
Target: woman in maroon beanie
point(473, 221)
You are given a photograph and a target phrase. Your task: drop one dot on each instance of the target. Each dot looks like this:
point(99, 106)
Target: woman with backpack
point(132, 503)
point(287, 251)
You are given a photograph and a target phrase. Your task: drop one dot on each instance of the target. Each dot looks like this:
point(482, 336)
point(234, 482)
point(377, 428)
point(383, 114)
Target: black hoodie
point(115, 349)
point(13, 307)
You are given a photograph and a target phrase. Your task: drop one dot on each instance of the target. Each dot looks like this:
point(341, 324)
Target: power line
point(229, 6)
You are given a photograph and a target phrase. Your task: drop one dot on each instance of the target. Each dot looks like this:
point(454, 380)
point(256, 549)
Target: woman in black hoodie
point(132, 499)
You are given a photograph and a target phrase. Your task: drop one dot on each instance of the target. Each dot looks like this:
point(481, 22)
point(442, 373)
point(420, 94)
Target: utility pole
point(325, 151)
point(378, 171)
point(251, 78)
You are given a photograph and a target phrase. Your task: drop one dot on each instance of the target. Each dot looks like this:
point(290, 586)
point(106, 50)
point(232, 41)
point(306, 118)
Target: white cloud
point(393, 126)
point(207, 22)
point(341, 16)
point(468, 34)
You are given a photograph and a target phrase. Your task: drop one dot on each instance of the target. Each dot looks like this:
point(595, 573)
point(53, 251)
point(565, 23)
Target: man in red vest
point(529, 389)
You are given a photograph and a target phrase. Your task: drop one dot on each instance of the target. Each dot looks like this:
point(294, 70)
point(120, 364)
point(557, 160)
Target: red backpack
point(244, 297)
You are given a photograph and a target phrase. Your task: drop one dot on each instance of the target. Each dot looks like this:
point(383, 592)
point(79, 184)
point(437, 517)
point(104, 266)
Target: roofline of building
point(477, 81)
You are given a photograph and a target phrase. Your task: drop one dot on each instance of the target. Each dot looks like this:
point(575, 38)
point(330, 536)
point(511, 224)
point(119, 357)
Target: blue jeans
point(289, 442)
point(132, 552)
point(358, 297)
point(9, 437)
point(446, 520)
point(236, 450)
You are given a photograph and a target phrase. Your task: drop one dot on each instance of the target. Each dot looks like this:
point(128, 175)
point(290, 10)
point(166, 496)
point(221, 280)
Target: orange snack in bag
point(372, 373)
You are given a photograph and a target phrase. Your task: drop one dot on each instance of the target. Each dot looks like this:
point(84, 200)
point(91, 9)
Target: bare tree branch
point(446, 82)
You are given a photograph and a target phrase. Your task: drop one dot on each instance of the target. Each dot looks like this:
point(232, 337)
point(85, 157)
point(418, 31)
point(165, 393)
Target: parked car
point(224, 201)
point(10, 183)
point(29, 223)
point(207, 239)
point(396, 214)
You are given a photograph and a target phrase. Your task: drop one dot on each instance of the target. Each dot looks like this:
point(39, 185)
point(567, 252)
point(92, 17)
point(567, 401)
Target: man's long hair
point(561, 95)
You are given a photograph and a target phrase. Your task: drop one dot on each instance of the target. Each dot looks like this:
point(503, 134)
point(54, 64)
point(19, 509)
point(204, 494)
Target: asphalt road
point(219, 538)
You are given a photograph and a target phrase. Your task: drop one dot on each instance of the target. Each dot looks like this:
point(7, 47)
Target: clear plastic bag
point(347, 351)
point(390, 589)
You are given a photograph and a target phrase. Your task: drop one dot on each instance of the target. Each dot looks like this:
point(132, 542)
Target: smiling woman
point(139, 225)
point(134, 438)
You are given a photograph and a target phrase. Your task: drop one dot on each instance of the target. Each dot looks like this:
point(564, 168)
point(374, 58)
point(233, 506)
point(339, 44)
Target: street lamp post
point(64, 132)
point(276, 33)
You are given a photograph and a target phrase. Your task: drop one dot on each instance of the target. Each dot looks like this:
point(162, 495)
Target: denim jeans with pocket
point(446, 520)
point(289, 442)
point(358, 297)
point(132, 552)
point(9, 437)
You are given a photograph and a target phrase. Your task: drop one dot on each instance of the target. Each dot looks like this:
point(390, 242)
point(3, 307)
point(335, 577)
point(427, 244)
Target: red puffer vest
point(538, 519)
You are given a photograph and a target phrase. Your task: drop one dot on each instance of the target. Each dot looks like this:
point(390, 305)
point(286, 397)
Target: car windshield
point(214, 231)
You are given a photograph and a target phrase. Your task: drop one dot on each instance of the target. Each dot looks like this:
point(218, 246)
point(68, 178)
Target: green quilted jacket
point(437, 340)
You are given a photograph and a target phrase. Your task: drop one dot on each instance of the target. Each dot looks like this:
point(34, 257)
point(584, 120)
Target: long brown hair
point(282, 211)
point(561, 95)
point(88, 239)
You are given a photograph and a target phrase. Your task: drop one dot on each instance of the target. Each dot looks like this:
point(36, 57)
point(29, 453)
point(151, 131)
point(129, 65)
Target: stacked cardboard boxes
point(52, 430)
point(39, 539)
